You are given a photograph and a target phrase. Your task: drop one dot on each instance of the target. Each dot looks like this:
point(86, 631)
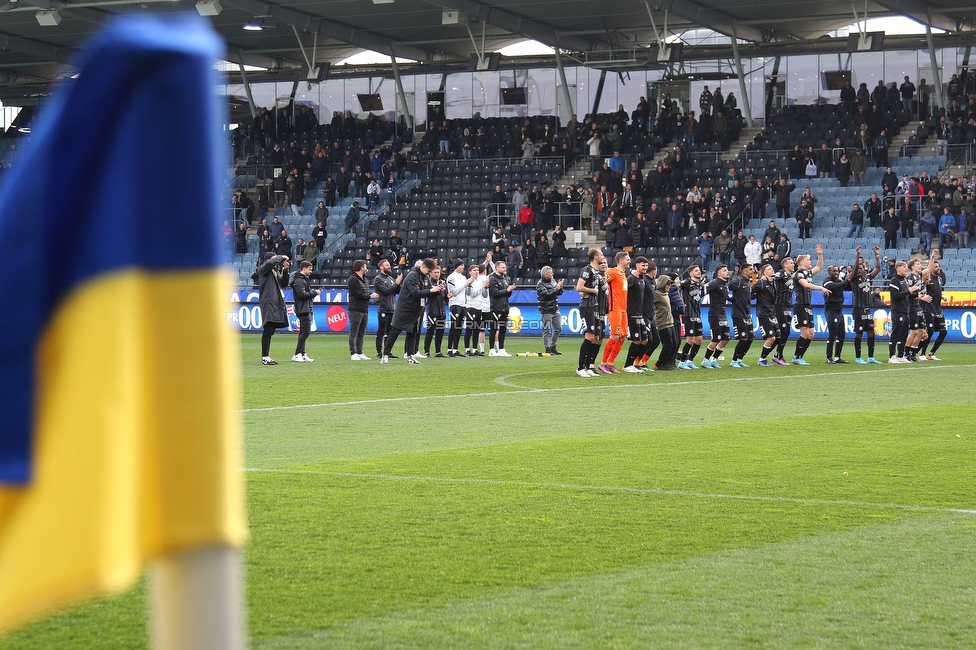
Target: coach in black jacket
point(303, 295)
point(499, 289)
point(270, 283)
point(409, 309)
point(386, 289)
point(358, 309)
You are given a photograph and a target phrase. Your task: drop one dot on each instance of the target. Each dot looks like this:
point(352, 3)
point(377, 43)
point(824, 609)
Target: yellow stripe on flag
point(137, 445)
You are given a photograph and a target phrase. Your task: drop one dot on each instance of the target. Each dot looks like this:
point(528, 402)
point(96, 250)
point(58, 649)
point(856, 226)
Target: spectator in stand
point(964, 222)
point(283, 245)
point(558, 242)
point(528, 257)
point(768, 250)
point(526, 217)
point(241, 237)
point(880, 149)
point(705, 246)
point(753, 251)
point(804, 219)
point(892, 97)
point(857, 222)
point(739, 248)
point(275, 228)
point(514, 261)
point(907, 216)
point(352, 217)
point(372, 195)
point(396, 244)
point(844, 170)
point(772, 231)
point(947, 229)
point(674, 219)
point(312, 253)
point(848, 96)
point(376, 252)
point(782, 192)
point(784, 249)
point(889, 182)
point(928, 226)
point(907, 95)
point(543, 252)
point(824, 160)
point(722, 248)
point(890, 224)
point(300, 249)
point(796, 163)
point(759, 200)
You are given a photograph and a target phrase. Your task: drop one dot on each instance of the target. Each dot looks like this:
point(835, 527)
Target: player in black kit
point(802, 309)
point(916, 318)
point(636, 327)
point(588, 286)
point(764, 292)
point(718, 320)
point(900, 294)
point(861, 299)
point(741, 288)
point(692, 289)
point(934, 281)
point(834, 312)
point(783, 282)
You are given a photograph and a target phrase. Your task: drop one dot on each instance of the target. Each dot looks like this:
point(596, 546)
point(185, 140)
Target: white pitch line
point(587, 386)
point(626, 490)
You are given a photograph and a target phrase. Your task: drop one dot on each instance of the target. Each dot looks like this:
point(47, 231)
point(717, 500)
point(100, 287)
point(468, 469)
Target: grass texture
point(505, 502)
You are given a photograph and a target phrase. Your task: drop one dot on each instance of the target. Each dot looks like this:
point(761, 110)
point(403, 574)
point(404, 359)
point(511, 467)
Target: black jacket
point(548, 296)
point(358, 294)
point(410, 307)
point(498, 292)
point(270, 284)
point(303, 294)
point(387, 288)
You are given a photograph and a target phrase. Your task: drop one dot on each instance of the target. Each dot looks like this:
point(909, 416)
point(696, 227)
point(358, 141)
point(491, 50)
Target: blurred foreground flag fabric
point(119, 436)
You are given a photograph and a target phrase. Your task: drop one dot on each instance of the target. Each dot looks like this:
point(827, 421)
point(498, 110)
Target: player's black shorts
point(499, 318)
point(743, 329)
point(916, 319)
point(804, 315)
point(637, 328)
point(474, 319)
point(784, 316)
point(938, 323)
point(769, 326)
point(719, 325)
point(591, 322)
point(486, 319)
point(863, 321)
point(693, 326)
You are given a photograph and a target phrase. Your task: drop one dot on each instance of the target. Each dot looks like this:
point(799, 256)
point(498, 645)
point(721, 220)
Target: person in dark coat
point(271, 283)
point(359, 297)
point(409, 309)
point(303, 295)
point(241, 236)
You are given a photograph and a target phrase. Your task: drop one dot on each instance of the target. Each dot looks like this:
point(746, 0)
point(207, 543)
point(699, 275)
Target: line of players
point(626, 302)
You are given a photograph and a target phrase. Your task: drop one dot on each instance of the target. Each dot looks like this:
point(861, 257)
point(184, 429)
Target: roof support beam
point(923, 13)
point(713, 19)
point(328, 28)
point(496, 17)
point(35, 49)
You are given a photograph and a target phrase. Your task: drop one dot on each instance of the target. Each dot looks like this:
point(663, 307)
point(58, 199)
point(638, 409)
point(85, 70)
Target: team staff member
point(665, 324)
point(741, 288)
point(359, 296)
point(783, 281)
point(802, 309)
point(718, 320)
point(303, 309)
point(636, 327)
point(476, 301)
point(409, 309)
point(764, 292)
point(547, 291)
point(386, 290)
point(834, 312)
point(457, 283)
point(271, 281)
point(499, 289)
point(934, 319)
point(616, 312)
point(900, 294)
point(436, 315)
point(692, 289)
point(861, 297)
point(588, 286)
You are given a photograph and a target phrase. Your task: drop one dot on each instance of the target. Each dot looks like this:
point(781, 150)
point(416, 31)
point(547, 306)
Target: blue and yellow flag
point(119, 439)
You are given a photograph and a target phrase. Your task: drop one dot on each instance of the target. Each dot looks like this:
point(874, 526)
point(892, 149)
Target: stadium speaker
point(868, 42)
point(490, 63)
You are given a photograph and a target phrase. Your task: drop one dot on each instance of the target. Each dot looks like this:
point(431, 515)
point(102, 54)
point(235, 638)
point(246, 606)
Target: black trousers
point(357, 331)
point(457, 325)
point(435, 327)
point(304, 329)
point(269, 330)
point(382, 330)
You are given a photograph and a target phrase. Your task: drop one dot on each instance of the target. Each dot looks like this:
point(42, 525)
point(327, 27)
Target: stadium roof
point(441, 35)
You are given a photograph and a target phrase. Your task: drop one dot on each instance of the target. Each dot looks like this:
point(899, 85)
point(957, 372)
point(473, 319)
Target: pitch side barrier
point(329, 314)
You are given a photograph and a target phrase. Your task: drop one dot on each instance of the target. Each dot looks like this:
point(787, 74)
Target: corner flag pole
point(196, 597)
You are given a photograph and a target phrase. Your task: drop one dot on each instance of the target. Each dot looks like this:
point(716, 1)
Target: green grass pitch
point(507, 503)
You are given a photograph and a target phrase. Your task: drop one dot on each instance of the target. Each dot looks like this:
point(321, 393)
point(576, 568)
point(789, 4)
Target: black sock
point(694, 351)
point(871, 346)
point(742, 349)
point(923, 346)
point(708, 353)
point(940, 337)
point(632, 354)
point(584, 354)
point(857, 346)
point(685, 349)
point(765, 351)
